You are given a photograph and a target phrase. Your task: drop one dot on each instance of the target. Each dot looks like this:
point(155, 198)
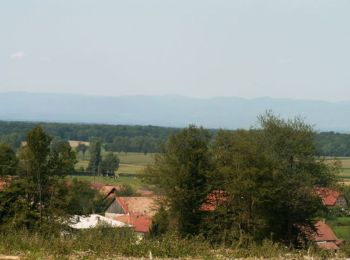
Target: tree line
point(145, 139)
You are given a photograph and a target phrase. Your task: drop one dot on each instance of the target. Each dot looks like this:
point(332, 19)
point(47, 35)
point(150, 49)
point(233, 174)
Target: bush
point(106, 242)
point(100, 242)
point(126, 191)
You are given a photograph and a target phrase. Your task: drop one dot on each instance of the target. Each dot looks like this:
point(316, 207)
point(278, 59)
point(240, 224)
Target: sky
point(197, 48)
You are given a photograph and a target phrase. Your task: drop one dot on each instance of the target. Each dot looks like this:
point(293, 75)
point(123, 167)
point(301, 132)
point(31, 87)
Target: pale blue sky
point(201, 48)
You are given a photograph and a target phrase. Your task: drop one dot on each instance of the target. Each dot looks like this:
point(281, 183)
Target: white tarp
point(93, 220)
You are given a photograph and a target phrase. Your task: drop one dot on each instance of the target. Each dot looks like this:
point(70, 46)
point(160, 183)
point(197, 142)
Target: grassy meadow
point(135, 163)
point(341, 227)
point(130, 163)
point(344, 173)
point(134, 182)
point(345, 170)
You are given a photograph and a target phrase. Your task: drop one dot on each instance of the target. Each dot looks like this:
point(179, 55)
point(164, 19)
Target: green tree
point(160, 223)
point(82, 148)
point(242, 174)
point(290, 149)
point(40, 172)
point(182, 171)
point(95, 156)
point(17, 210)
point(290, 146)
point(269, 175)
point(77, 198)
point(126, 191)
point(109, 164)
point(12, 139)
point(8, 160)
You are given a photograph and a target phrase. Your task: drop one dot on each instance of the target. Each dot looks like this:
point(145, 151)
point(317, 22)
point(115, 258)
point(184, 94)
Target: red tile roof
point(140, 223)
point(325, 237)
point(329, 197)
point(138, 212)
point(139, 205)
point(214, 199)
point(324, 232)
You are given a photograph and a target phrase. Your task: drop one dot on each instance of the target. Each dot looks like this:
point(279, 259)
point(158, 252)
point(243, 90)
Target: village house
point(132, 205)
point(331, 198)
point(325, 237)
point(134, 211)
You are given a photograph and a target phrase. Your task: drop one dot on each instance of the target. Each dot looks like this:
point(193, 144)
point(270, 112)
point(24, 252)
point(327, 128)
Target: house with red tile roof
point(134, 211)
point(325, 237)
point(331, 197)
point(133, 205)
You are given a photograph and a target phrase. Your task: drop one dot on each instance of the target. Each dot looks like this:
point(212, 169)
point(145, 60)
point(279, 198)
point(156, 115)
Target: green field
point(135, 158)
point(134, 182)
point(130, 163)
point(341, 227)
point(345, 168)
point(134, 163)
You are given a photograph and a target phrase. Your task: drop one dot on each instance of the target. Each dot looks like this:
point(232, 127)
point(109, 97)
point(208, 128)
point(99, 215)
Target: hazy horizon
point(169, 110)
point(170, 95)
point(202, 49)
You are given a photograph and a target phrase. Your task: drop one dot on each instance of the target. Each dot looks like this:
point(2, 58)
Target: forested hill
point(173, 111)
point(140, 138)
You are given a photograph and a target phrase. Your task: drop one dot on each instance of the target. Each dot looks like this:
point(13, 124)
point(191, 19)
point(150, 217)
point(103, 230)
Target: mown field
point(344, 173)
point(130, 163)
point(134, 182)
point(135, 163)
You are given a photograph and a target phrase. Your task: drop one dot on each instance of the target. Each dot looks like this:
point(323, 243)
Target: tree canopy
point(182, 172)
point(38, 197)
point(8, 160)
point(266, 176)
point(145, 139)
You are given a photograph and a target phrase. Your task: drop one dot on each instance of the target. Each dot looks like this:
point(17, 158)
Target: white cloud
point(20, 55)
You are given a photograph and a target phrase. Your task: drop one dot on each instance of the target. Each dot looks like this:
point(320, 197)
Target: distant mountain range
point(173, 111)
